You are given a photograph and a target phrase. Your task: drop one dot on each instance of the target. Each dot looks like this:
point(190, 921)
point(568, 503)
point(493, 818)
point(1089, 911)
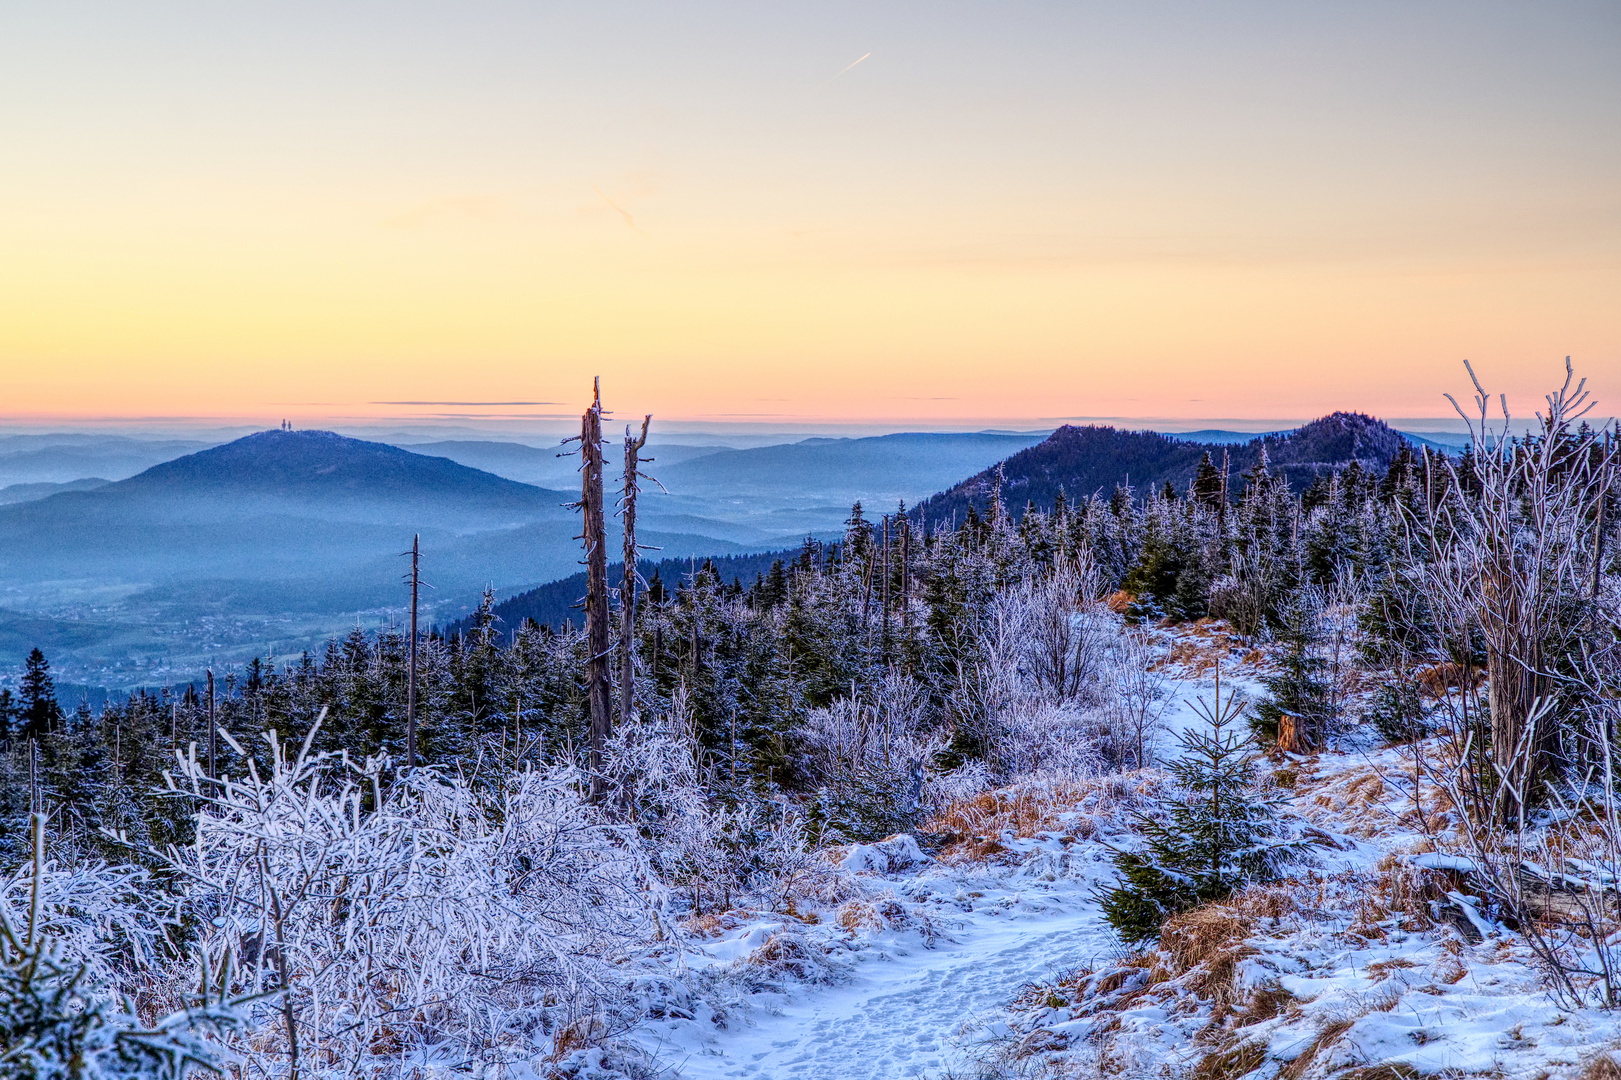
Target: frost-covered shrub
point(1053, 741)
point(1066, 634)
point(108, 919)
point(60, 1019)
point(417, 913)
point(719, 849)
point(1130, 719)
point(872, 759)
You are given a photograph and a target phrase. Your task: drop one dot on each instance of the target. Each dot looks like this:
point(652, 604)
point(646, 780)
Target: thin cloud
point(847, 67)
point(630, 221)
point(464, 404)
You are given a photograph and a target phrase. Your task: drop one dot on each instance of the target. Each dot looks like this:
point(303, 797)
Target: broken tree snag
point(1290, 740)
point(212, 727)
point(627, 587)
point(596, 578)
point(411, 683)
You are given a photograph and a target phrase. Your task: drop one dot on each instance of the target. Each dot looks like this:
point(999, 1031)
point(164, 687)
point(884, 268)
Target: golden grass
point(976, 824)
point(787, 954)
point(1207, 943)
point(1602, 1067)
point(1331, 1033)
point(1231, 1063)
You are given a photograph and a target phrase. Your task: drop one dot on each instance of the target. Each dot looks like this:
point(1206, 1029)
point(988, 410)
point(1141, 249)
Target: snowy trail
point(897, 1016)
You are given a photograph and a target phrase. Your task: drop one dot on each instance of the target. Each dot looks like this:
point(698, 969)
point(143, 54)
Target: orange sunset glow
point(999, 215)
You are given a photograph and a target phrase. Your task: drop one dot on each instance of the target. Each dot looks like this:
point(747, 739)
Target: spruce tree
point(1207, 484)
point(1299, 690)
point(39, 710)
point(1217, 835)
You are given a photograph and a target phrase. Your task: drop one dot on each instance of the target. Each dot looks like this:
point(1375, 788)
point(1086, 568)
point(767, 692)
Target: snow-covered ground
point(994, 960)
point(900, 1004)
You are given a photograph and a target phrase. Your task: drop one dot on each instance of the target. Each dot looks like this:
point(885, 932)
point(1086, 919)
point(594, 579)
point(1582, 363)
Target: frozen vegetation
point(1228, 782)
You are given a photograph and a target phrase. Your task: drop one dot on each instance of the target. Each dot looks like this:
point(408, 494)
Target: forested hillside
point(1081, 462)
point(1139, 726)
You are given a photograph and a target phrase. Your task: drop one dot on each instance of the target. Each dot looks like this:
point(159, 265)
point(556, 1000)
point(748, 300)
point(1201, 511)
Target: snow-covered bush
point(717, 849)
point(414, 915)
point(872, 759)
point(1050, 740)
point(1066, 633)
point(60, 1018)
point(1137, 698)
point(109, 919)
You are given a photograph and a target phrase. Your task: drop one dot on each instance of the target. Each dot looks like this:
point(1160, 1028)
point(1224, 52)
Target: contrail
point(630, 221)
point(852, 64)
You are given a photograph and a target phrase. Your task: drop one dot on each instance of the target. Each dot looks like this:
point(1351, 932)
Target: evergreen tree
point(1206, 487)
point(38, 707)
point(1220, 834)
point(1299, 690)
point(10, 713)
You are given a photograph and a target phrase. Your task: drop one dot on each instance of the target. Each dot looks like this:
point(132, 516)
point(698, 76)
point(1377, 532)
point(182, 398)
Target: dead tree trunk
point(212, 775)
point(906, 572)
point(596, 592)
point(627, 587)
point(411, 681)
point(883, 626)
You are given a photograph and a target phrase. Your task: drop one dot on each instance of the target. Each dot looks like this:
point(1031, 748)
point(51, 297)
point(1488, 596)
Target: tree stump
point(1288, 735)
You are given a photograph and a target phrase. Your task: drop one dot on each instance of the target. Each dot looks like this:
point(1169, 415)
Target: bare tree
point(627, 587)
point(1140, 698)
point(1510, 537)
point(594, 535)
point(1066, 640)
point(415, 578)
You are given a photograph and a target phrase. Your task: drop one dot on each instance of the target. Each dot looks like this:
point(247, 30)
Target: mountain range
point(63, 457)
point(281, 538)
point(1092, 460)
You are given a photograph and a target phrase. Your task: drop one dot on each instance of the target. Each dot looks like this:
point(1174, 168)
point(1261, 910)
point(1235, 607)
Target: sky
point(916, 215)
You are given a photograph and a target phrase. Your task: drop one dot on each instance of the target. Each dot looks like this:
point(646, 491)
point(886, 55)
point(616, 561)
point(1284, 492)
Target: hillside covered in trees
point(1211, 740)
point(1080, 462)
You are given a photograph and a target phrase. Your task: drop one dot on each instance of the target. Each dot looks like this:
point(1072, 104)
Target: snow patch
point(888, 856)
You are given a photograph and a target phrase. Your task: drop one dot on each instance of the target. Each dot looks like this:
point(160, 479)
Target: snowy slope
point(1002, 965)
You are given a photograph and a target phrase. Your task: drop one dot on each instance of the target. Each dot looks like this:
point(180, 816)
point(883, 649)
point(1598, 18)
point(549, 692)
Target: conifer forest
point(1261, 774)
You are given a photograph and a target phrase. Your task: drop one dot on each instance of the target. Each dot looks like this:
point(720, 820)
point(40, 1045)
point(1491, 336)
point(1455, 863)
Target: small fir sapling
point(1300, 690)
point(1221, 834)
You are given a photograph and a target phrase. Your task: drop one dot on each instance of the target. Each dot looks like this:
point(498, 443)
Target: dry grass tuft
point(578, 1034)
point(709, 925)
point(1332, 1033)
point(1398, 893)
point(1602, 1067)
point(1267, 1003)
point(1090, 992)
point(856, 915)
point(1390, 1070)
point(788, 954)
point(1029, 809)
point(1207, 943)
point(1381, 969)
point(1231, 1063)
point(1448, 970)
point(885, 913)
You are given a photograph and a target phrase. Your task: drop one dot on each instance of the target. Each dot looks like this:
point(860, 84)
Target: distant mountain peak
point(1086, 460)
point(324, 465)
